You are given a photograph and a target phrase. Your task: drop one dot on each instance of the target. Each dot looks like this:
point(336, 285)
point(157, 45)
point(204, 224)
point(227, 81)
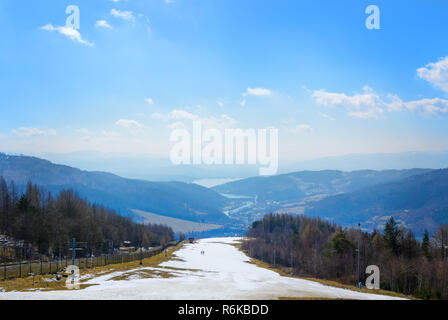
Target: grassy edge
point(45, 282)
point(330, 283)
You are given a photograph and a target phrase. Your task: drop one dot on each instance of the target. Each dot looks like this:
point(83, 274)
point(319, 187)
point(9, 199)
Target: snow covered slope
point(223, 272)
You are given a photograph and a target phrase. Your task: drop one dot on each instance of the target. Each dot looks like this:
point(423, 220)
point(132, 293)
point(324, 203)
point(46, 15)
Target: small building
point(126, 247)
point(191, 240)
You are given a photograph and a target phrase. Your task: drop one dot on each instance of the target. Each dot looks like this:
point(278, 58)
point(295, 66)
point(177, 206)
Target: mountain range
point(418, 202)
point(172, 199)
point(300, 185)
point(417, 198)
point(156, 168)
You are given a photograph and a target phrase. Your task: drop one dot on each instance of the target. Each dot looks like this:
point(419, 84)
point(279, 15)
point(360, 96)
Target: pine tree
point(425, 243)
point(392, 235)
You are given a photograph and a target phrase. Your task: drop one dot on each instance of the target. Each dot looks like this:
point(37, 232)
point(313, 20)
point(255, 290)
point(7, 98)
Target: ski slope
point(223, 272)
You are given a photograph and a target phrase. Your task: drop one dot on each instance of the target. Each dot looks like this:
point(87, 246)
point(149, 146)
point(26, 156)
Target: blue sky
point(137, 68)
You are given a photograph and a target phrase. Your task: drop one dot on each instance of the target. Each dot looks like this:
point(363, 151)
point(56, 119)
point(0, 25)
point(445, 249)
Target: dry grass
point(143, 274)
point(309, 298)
point(41, 283)
point(182, 269)
point(49, 283)
point(330, 283)
point(153, 261)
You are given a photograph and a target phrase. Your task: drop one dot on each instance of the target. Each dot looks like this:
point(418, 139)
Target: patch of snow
point(223, 272)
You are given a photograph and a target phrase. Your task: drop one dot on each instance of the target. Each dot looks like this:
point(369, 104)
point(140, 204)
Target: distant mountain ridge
point(373, 161)
point(155, 168)
point(418, 202)
point(173, 199)
point(416, 198)
point(299, 185)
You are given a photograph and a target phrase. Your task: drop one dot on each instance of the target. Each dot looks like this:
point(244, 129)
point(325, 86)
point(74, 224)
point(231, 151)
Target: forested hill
point(297, 186)
point(173, 199)
point(418, 202)
point(417, 198)
point(313, 247)
point(47, 224)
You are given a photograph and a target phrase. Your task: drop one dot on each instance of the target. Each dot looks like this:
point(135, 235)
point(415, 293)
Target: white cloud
point(257, 92)
point(435, 106)
point(103, 24)
point(365, 105)
point(224, 121)
point(126, 15)
point(29, 132)
point(326, 116)
point(370, 105)
point(149, 101)
point(220, 102)
point(125, 123)
point(374, 113)
point(228, 119)
point(436, 73)
point(177, 125)
point(175, 114)
point(243, 103)
point(395, 104)
point(302, 128)
point(182, 114)
point(71, 33)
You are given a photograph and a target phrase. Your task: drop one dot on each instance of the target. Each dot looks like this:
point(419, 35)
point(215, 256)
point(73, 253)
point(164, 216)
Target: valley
point(229, 206)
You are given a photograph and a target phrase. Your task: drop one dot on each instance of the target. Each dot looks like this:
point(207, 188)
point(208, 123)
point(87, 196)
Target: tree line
point(41, 224)
point(313, 247)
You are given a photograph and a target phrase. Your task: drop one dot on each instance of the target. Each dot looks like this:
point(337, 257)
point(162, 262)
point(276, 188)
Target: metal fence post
point(20, 269)
point(41, 266)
